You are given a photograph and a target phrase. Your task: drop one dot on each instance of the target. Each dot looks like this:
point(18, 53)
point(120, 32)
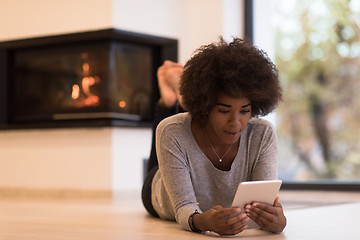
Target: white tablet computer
point(259, 191)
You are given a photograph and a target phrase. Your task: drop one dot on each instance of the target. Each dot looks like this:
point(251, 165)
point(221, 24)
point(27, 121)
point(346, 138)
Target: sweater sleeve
point(265, 167)
point(175, 173)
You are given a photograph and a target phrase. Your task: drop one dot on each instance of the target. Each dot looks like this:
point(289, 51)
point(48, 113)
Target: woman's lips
point(232, 133)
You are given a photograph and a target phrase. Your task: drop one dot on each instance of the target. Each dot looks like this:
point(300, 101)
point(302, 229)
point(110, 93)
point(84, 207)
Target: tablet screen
point(259, 191)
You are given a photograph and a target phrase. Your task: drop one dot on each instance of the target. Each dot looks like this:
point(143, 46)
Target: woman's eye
point(224, 111)
point(244, 111)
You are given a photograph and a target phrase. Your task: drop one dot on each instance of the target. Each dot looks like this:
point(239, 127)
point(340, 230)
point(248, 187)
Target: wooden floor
point(311, 215)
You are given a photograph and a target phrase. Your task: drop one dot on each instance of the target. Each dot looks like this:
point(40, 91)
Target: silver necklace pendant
point(212, 147)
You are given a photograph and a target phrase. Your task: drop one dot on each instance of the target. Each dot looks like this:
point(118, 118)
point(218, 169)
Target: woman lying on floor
point(203, 154)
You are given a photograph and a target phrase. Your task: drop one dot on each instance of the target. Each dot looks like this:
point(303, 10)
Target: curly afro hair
point(236, 69)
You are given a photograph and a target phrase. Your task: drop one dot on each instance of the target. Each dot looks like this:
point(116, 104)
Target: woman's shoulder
point(260, 124)
point(177, 121)
point(260, 130)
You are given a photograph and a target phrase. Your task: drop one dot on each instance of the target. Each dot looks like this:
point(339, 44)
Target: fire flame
point(84, 94)
point(75, 92)
point(122, 104)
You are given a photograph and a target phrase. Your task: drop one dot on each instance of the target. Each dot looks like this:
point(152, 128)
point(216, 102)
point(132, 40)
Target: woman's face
point(228, 119)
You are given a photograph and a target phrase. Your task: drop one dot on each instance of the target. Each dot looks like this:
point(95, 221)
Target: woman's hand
point(269, 218)
point(224, 221)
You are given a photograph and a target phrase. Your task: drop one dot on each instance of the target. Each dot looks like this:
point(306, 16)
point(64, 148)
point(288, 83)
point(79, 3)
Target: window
point(316, 47)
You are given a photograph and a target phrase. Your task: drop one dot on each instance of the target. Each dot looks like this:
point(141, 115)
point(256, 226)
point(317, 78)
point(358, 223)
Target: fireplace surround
point(95, 78)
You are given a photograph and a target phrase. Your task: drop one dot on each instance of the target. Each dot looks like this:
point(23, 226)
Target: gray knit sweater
point(188, 181)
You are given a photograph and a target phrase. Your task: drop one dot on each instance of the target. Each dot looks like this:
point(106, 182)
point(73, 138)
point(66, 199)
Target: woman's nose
point(235, 119)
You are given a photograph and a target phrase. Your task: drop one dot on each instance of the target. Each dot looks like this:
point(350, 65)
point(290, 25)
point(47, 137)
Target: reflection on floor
point(309, 199)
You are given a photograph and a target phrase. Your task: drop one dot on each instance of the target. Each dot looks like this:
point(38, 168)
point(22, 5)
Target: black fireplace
point(98, 78)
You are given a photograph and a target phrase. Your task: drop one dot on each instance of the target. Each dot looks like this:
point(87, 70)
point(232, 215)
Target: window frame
point(330, 185)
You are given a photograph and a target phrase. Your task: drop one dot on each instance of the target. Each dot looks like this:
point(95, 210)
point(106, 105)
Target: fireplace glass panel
point(131, 89)
point(82, 81)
